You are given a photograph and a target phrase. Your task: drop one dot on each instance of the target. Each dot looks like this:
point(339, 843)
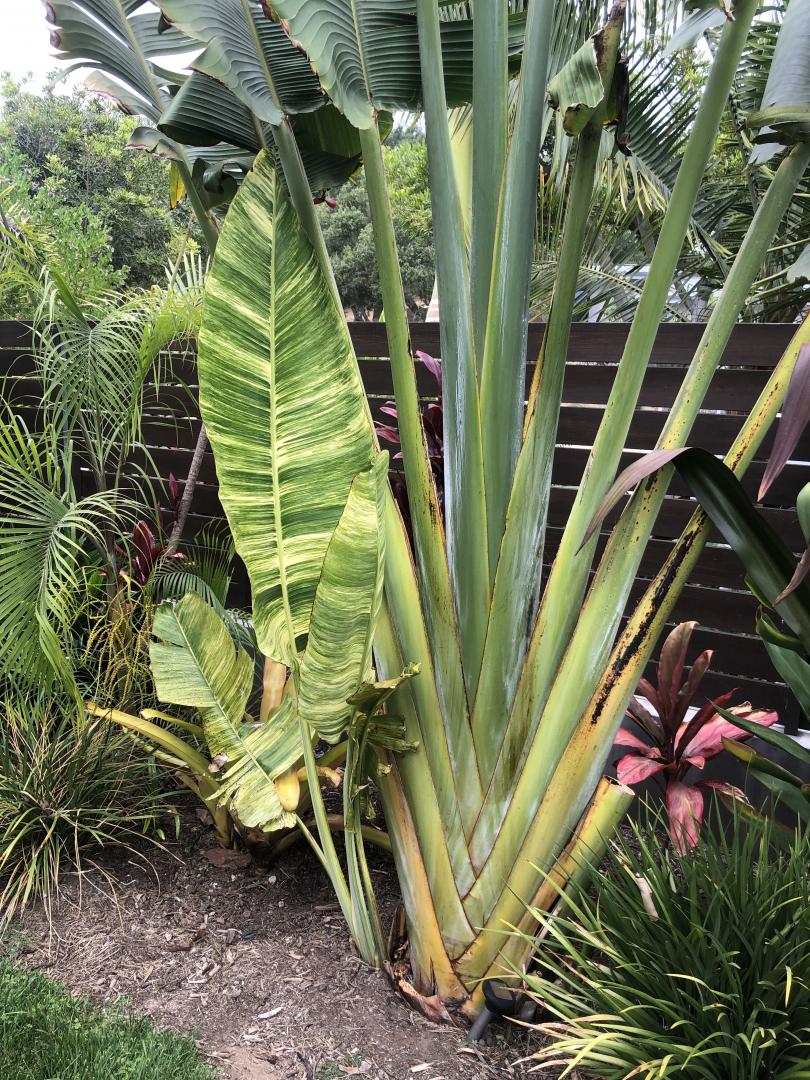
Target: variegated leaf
point(195, 662)
point(338, 655)
point(283, 403)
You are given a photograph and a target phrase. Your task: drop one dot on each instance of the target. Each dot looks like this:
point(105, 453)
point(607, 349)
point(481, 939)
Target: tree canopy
point(65, 170)
point(348, 234)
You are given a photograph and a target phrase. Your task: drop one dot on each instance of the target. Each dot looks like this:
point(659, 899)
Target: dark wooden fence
point(715, 596)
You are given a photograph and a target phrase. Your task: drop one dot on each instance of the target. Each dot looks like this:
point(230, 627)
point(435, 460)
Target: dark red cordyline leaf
point(670, 670)
point(792, 422)
point(685, 808)
point(143, 538)
point(390, 434)
point(703, 716)
point(433, 365)
point(708, 742)
point(635, 768)
point(625, 737)
point(688, 691)
point(174, 488)
point(799, 574)
point(646, 721)
point(650, 693)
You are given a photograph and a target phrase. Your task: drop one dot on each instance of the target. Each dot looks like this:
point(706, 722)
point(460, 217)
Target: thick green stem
point(522, 548)
point(489, 131)
point(503, 364)
point(465, 502)
point(560, 608)
point(429, 548)
point(577, 674)
point(427, 788)
point(601, 710)
point(444, 728)
point(507, 817)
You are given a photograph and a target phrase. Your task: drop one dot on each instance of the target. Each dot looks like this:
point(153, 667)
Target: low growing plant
point(68, 784)
point(693, 965)
point(46, 1032)
point(673, 746)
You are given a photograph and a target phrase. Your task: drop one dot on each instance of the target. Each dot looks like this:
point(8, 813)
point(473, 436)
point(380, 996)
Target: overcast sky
point(25, 46)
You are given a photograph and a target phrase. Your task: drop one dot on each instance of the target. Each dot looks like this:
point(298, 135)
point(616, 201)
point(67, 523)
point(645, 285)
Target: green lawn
point(45, 1034)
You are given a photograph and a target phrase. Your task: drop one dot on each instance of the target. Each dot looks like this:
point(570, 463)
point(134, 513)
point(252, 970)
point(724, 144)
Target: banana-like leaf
point(204, 112)
point(250, 54)
point(367, 53)
point(577, 88)
point(269, 751)
point(336, 661)
point(283, 404)
point(195, 662)
point(108, 35)
point(784, 115)
point(347, 600)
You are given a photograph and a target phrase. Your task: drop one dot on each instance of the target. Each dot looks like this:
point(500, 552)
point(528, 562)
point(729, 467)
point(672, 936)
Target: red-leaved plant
point(432, 413)
point(678, 747)
point(143, 550)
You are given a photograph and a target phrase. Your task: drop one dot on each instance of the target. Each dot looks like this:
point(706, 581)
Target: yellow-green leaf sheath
point(283, 404)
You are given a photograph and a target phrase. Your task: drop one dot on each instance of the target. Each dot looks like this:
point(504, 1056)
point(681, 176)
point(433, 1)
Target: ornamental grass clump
point(68, 785)
point(694, 965)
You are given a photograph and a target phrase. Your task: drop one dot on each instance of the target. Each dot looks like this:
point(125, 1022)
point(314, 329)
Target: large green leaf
point(195, 662)
point(784, 115)
point(250, 54)
point(337, 659)
point(347, 600)
point(367, 53)
point(106, 34)
point(577, 88)
point(204, 113)
point(283, 404)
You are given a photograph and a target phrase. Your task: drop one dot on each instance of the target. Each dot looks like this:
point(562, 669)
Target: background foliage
point(65, 167)
point(348, 234)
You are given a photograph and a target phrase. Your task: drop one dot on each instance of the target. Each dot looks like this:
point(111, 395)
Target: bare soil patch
point(256, 961)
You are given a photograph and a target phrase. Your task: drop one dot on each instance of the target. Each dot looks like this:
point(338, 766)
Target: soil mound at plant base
point(257, 961)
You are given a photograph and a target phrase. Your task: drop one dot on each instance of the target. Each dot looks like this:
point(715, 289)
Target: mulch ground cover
point(255, 961)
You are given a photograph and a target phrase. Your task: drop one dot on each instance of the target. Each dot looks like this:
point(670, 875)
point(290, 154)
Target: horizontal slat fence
point(715, 595)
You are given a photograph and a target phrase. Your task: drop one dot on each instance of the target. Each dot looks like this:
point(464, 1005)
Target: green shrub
point(693, 965)
point(67, 784)
point(46, 1034)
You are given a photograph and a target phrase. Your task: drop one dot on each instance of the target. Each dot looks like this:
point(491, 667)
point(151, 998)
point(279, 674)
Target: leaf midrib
point(274, 471)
